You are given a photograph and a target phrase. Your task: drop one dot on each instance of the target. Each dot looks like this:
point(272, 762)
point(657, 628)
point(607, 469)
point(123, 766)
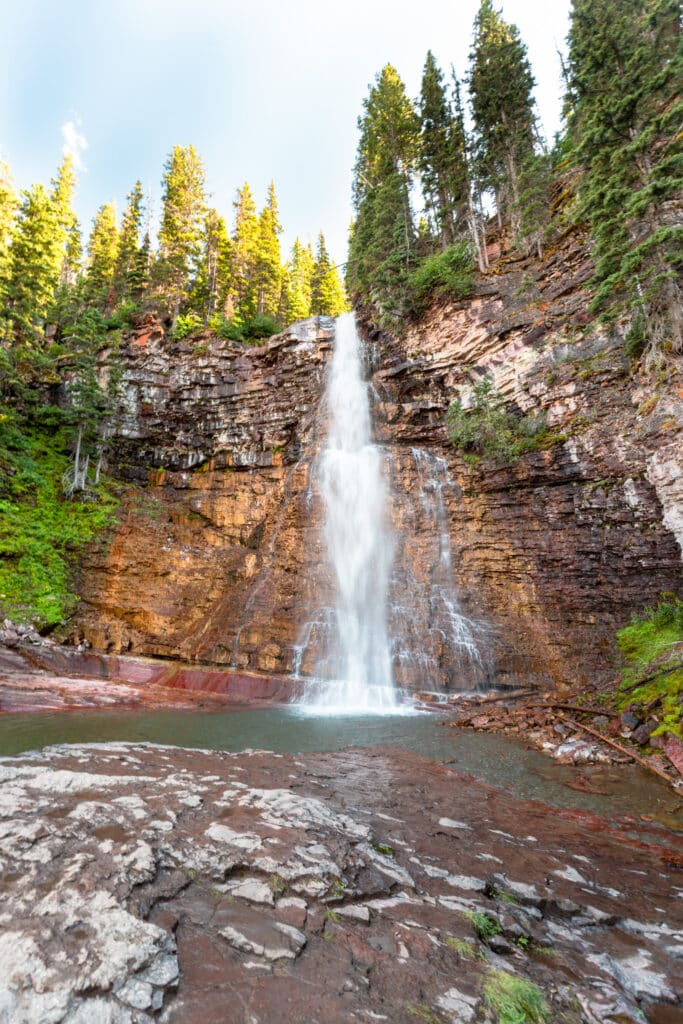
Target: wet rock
point(104, 917)
point(629, 721)
point(641, 734)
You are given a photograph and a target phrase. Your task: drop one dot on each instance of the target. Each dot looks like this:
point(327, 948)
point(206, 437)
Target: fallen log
point(643, 762)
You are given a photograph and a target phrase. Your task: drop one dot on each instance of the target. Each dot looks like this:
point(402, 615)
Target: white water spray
point(359, 543)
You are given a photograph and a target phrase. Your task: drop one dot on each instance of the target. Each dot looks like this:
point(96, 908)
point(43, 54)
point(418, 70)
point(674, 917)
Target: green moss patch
point(652, 646)
point(41, 531)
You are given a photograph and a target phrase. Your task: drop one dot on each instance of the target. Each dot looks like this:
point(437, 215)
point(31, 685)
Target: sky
point(264, 89)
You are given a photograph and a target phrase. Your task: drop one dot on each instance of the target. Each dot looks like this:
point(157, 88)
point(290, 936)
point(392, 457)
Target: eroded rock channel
point(143, 882)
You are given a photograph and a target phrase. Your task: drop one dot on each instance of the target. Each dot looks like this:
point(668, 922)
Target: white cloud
point(75, 143)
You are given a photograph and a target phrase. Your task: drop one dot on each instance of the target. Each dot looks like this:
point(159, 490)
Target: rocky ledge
point(147, 883)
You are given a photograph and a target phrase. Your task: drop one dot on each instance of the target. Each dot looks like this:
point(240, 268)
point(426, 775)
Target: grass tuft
point(515, 1000)
point(486, 927)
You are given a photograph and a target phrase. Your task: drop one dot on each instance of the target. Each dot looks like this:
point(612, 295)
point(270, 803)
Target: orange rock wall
point(217, 557)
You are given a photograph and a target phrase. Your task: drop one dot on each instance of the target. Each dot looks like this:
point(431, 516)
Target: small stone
point(629, 721)
point(355, 911)
point(499, 944)
point(642, 734)
point(137, 994)
point(254, 891)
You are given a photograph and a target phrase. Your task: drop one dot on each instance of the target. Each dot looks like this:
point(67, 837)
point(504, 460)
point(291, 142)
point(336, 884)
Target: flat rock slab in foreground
point(145, 883)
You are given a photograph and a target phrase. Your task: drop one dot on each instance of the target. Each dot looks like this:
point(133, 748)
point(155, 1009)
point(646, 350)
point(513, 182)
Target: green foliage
point(652, 646)
point(295, 300)
point(212, 283)
point(381, 250)
point(448, 273)
point(442, 157)
point(41, 532)
point(327, 290)
point(383, 234)
point(187, 324)
point(260, 327)
point(486, 428)
point(180, 234)
point(515, 1000)
point(245, 247)
point(501, 86)
point(486, 927)
point(103, 246)
point(34, 266)
point(130, 271)
point(624, 73)
point(8, 212)
point(268, 269)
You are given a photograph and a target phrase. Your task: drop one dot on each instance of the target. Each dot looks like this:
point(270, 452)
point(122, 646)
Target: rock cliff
point(217, 556)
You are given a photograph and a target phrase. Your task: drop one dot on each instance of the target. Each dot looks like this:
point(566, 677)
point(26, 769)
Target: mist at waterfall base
point(361, 640)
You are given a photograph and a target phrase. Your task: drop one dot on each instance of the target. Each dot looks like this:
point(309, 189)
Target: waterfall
point(388, 615)
point(357, 672)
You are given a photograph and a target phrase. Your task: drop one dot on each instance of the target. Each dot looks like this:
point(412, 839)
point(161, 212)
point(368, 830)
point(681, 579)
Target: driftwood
point(622, 750)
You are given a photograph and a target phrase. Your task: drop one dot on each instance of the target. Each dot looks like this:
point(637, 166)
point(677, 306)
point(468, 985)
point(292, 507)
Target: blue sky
point(262, 89)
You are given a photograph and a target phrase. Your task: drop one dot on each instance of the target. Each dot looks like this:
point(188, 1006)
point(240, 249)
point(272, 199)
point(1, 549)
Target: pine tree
point(268, 262)
point(8, 213)
point(182, 223)
point(245, 252)
point(501, 85)
point(327, 291)
point(381, 249)
point(296, 290)
point(35, 265)
point(212, 286)
point(625, 70)
point(127, 267)
point(442, 160)
point(383, 235)
point(103, 246)
point(69, 237)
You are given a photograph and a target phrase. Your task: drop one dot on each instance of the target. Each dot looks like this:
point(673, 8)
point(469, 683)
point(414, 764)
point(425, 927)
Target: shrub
point(230, 330)
point(257, 329)
point(447, 273)
point(488, 429)
point(260, 327)
point(515, 1000)
point(123, 316)
point(186, 325)
point(486, 927)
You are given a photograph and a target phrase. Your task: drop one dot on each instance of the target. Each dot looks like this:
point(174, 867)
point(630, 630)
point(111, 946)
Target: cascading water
point(357, 674)
point(387, 615)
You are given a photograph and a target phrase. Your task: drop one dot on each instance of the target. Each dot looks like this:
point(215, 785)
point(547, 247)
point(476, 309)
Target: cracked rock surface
point(143, 883)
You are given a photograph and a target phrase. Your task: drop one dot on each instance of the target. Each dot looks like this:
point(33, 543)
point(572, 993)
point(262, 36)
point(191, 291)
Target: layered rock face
point(206, 561)
point(218, 556)
point(557, 548)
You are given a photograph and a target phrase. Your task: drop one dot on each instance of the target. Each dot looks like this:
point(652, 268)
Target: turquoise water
point(526, 774)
